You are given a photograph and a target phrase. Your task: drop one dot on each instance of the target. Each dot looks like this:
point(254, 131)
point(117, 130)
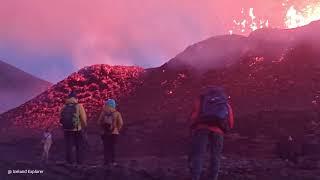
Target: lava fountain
point(293, 16)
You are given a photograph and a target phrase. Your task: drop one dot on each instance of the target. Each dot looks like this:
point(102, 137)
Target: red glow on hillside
point(93, 84)
point(293, 15)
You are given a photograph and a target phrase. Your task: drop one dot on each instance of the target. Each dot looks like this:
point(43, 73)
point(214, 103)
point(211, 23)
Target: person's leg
point(68, 145)
point(199, 144)
point(86, 143)
point(79, 146)
point(216, 146)
point(113, 142)
point(103, 139)
point(107, 149)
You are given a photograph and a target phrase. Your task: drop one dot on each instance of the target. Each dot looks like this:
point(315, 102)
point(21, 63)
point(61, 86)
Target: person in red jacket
point(203, 135)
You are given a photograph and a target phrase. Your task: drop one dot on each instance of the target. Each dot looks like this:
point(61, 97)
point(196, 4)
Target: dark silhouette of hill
point(17, 86)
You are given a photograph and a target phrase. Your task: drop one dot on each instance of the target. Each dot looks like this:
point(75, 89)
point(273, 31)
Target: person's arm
point(119, 122)
point(195, 111)
point(231, 117)
point(83, 115)
point(101, 118)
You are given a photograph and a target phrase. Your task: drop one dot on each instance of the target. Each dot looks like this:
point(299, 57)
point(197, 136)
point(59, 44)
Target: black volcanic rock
point(17, 87)
point(215, 52)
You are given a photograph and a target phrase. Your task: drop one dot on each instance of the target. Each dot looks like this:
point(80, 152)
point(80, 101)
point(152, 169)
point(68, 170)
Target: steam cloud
point(140, 32)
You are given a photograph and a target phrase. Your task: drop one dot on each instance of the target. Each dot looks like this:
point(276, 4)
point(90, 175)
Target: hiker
point(47, 142)
point(211, 118)
point(73, 120)
point(111, 122)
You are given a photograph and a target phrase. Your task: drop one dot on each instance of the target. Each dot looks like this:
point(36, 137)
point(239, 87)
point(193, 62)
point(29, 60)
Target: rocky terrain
point(272, 78)
point(12, 80)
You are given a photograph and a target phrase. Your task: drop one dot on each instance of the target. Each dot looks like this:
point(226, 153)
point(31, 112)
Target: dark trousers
point(200, 141)
point(109, 144)
point(74, 139)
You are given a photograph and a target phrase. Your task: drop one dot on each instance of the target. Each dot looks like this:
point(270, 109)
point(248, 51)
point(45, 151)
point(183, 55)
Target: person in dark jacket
point(202, 136)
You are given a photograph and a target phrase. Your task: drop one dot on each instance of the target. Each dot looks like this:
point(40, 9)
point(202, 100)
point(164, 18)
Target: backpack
point(107, 122)
point(69, 118)
point(214, 109)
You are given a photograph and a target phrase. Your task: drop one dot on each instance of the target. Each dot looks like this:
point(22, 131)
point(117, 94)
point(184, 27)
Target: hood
point(106, 108)
point(71, 100)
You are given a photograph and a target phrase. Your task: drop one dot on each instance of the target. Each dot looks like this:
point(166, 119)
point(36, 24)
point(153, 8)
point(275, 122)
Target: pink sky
point(141, 32)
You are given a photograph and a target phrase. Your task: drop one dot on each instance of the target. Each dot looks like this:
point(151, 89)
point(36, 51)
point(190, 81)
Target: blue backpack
point(214, 108)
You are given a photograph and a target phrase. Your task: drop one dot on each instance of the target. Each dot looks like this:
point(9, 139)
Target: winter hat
point(72, 95)
point(111, 103)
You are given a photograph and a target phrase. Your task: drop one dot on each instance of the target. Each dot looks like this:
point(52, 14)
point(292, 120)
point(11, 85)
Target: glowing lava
point(249, 22)
point(294, 16)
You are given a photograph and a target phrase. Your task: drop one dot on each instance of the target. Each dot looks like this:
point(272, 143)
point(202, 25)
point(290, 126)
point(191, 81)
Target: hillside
point(17, 86)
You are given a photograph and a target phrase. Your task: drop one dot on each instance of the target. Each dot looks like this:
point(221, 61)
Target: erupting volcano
point(272, 77)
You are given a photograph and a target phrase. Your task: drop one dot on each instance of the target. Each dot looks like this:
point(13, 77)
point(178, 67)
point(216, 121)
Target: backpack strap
point(199, 107)
point(76, 105)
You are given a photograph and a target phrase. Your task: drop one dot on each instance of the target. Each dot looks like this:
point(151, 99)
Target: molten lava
point(294, 16)
point(249, 22)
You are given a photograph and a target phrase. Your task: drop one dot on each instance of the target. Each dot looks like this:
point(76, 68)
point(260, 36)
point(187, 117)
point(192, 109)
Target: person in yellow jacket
point(73, 120)
point(110, 122)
